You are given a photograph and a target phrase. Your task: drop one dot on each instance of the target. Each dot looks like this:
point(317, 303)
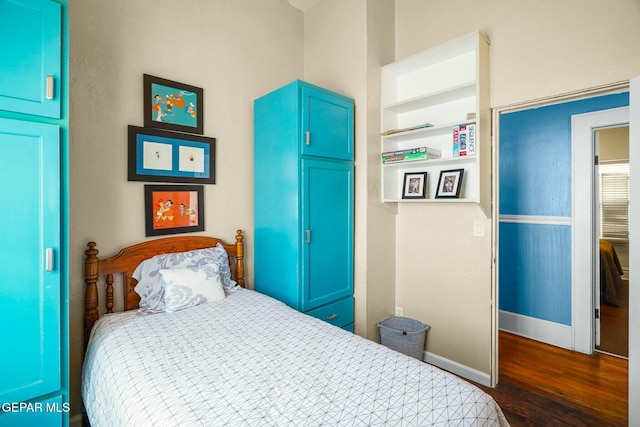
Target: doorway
point(586, 266)
point(545, 229)
point(611, 201)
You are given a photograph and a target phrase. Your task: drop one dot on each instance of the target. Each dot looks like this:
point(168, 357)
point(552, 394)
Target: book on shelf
point(456, 141)
point(411, 154)
point(394, 131)
point(464, 140)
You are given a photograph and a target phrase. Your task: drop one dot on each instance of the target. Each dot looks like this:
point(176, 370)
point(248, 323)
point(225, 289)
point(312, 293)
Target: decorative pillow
point(147, 273)
point(190, 286)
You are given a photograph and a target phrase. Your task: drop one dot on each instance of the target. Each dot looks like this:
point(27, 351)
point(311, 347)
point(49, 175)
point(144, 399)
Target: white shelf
point(441, 85)
point(464, 90)
point(424, 132)
point(432, 162)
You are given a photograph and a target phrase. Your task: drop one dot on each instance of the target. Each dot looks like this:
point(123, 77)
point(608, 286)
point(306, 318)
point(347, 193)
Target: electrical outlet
point(399, 311)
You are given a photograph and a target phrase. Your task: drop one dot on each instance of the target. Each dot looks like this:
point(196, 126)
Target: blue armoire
point(33, 291)
point(303, 203)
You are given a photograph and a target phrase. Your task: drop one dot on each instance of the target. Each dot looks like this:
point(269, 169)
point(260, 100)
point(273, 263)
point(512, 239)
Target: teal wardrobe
point(303, 206)
point(33, 289)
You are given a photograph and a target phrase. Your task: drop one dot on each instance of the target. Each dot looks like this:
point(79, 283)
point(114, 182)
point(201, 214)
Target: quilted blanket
point(250, 360)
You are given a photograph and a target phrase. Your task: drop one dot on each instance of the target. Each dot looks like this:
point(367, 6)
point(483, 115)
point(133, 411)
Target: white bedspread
point(249, 360)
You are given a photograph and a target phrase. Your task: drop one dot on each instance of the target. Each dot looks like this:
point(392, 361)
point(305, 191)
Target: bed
point(247, 359)
point(610, 273)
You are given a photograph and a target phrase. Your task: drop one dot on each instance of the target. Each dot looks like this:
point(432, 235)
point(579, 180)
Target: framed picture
point(172, 209)
point(173, 106)
point(161, 156)
point(449, 184)
point(415, 185)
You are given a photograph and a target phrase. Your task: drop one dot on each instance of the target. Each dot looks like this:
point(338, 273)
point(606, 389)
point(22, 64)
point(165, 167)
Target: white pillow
point(188, 287)
point(147, 273)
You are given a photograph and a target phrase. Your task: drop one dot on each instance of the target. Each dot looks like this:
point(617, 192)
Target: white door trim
point(583, 239)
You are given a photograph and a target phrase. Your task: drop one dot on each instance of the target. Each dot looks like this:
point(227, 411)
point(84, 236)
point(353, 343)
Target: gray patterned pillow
point(150, 288)
point(191, 286)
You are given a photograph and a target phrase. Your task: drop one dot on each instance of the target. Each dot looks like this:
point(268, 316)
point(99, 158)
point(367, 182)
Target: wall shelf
point(442, 86)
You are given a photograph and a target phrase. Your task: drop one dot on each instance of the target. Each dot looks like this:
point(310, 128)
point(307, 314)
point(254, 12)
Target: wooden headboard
point(126, 261)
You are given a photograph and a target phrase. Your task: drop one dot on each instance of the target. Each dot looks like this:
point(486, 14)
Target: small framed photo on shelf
point(161, 156)
point(172, 209)
point(415, 185)
point(173, 106)
point(449, 184)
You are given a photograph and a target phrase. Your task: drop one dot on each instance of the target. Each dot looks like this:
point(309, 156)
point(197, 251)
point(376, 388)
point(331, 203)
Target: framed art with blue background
point(173, 106)
point(160, 156)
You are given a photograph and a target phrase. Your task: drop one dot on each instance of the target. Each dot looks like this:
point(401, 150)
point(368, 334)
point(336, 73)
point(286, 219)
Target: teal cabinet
point(304, 203)
point(34, 361)
point(30, 293)
point(30, 42)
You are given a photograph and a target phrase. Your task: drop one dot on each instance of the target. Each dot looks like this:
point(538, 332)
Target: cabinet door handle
point(333, 316)
point(49, 92)
point(307, 236)
point(307, 135)
point(49, 259)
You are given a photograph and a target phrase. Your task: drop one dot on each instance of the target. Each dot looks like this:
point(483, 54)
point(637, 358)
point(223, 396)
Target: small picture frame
point(173, 209)
point(173, 106)
point(415, 185)
point(449, 184)
point(161, 156)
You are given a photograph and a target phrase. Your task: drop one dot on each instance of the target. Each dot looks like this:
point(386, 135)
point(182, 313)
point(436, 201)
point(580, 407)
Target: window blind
point(614, 201)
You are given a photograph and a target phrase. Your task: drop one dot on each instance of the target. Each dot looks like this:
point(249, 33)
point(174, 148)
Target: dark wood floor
point(542, 385)
point(614, 323)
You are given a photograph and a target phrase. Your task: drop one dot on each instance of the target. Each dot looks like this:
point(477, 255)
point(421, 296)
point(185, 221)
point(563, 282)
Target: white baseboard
point(457, 368)
point(537, 329)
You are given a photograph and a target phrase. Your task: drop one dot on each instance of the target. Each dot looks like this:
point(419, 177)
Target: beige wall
point(346, 57)
point(614, 144)
point(538, 50)
point(236, 50)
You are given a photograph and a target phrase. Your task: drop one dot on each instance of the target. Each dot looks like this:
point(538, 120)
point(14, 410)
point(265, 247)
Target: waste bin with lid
point(404, 335)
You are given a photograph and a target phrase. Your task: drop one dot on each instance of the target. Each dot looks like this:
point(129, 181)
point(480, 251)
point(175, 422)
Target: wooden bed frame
point(126, 261)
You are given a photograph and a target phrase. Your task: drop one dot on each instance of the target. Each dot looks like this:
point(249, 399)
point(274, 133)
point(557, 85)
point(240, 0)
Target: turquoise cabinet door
point(327, 124)
point(30, 37)
point(30, 306)
point(327, 232)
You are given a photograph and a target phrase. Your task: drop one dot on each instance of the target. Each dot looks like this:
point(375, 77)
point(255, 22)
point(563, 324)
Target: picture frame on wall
point(173, 209)
point(161, 156)
point(414, 185)
point(449, 184)
point(172, 105)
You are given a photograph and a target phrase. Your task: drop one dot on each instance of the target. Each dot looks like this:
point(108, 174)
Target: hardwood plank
point(597, 384)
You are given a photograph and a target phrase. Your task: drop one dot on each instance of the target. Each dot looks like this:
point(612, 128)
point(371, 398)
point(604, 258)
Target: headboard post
point(91, 291)
point(240, 258)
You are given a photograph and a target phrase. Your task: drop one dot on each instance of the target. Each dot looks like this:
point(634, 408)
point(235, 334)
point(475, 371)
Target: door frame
point(583, 254)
